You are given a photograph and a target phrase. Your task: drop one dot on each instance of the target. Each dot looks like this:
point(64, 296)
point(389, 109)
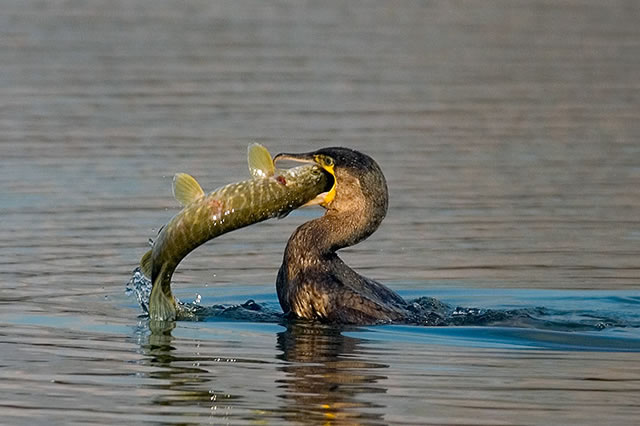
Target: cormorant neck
point(333, 231)
point(343, 225)
point(358, 208)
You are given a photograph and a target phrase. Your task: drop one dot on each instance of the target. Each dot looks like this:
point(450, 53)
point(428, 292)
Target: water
point(508, 133)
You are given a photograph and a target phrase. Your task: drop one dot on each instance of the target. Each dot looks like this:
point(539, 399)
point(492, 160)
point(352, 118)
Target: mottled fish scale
point(228, 208)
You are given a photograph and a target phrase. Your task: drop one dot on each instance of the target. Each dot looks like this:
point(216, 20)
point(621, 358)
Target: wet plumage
point(313, 282)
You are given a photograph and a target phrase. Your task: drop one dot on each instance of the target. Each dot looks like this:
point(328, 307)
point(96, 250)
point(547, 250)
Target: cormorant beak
point(326, 197)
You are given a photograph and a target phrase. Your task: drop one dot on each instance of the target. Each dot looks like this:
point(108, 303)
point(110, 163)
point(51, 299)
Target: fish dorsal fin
point(146, 264)
point(260, 161)
point(186, 189)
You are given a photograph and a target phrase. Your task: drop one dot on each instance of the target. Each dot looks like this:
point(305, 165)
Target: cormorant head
point(359, 185)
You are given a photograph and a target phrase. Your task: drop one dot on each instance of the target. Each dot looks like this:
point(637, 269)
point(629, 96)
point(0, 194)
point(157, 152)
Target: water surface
point(508, 132)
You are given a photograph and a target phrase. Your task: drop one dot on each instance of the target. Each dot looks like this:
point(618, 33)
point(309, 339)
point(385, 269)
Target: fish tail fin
point(260, 161)
point(162, 304)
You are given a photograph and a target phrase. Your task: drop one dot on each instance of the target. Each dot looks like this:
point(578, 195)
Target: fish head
point(325, 163)
point(357, 178)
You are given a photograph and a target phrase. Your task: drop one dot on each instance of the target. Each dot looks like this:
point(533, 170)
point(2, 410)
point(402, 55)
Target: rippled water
point(508, 132)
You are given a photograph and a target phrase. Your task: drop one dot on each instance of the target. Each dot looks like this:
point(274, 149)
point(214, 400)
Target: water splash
point(423, 311)
point(140, 286)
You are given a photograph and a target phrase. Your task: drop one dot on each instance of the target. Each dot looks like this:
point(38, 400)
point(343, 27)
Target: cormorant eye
point(328, 161)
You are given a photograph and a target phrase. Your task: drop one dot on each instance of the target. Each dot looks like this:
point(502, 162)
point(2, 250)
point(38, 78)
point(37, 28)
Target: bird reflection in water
point(325, 373)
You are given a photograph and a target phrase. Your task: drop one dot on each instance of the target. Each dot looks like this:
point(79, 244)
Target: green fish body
point(271, 193)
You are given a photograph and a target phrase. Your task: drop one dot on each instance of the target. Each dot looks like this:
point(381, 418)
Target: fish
point(269, 193)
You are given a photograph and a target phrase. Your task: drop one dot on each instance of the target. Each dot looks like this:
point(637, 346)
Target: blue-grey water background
point(509, 133)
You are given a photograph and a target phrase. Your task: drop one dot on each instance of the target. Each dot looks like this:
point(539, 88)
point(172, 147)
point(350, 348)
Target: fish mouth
point(325, 163)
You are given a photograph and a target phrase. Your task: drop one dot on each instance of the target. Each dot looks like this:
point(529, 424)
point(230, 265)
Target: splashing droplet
point(140, 286)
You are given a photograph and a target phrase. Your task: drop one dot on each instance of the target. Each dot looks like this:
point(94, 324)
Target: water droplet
point(139, 286)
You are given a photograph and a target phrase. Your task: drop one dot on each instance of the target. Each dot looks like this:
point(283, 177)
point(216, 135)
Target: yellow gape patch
point(327, 163)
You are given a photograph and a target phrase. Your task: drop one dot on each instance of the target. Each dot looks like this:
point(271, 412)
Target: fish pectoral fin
point(260, 161)
point(284, 214)
point(186, 189)
point(146, 264)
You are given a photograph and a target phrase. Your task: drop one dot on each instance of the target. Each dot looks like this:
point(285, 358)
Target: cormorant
point(313, 282)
